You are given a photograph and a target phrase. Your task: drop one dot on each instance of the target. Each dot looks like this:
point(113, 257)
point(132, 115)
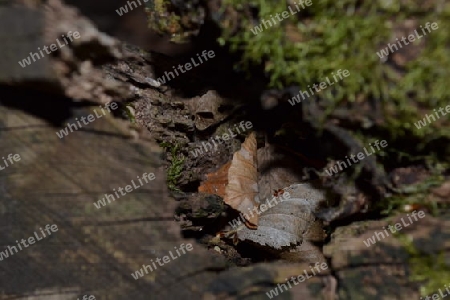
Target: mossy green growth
point(332, 35)
point(429, 270)
point(414, 194)
point(179, 19)
point(176, 166)
point(128, 111)
point(160, 19)
point(308, 47)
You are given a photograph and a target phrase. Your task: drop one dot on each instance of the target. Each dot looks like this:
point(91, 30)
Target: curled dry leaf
point(241, 192)
point(289, 219)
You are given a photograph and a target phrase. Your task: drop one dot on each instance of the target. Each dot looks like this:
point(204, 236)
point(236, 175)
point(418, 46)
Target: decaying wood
point(58, 180)
point(96, 250)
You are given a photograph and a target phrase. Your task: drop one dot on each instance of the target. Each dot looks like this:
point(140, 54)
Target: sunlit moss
point(332, 35)
point(307, 47)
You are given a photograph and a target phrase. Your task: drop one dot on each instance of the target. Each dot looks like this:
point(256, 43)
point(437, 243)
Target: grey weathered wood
point(18, 37)
point(95, 250)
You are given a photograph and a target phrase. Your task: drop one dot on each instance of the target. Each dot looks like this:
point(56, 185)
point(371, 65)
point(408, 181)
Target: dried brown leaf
point(241, 192)
point(282, 221)
point(216, 182)
point(289, 220)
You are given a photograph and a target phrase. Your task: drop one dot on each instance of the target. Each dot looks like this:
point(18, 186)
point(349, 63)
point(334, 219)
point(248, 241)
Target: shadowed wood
point(94, 250)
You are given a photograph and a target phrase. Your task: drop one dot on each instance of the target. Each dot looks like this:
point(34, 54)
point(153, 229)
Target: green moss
point(429, 270)
point(308, 47)
point(160, 19)
point(127, 111)
point(413, 194)
point(176, 166)
point(179, 19)
point(334, 35)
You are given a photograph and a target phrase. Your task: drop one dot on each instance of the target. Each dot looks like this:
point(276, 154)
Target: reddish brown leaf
point(216, 182)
